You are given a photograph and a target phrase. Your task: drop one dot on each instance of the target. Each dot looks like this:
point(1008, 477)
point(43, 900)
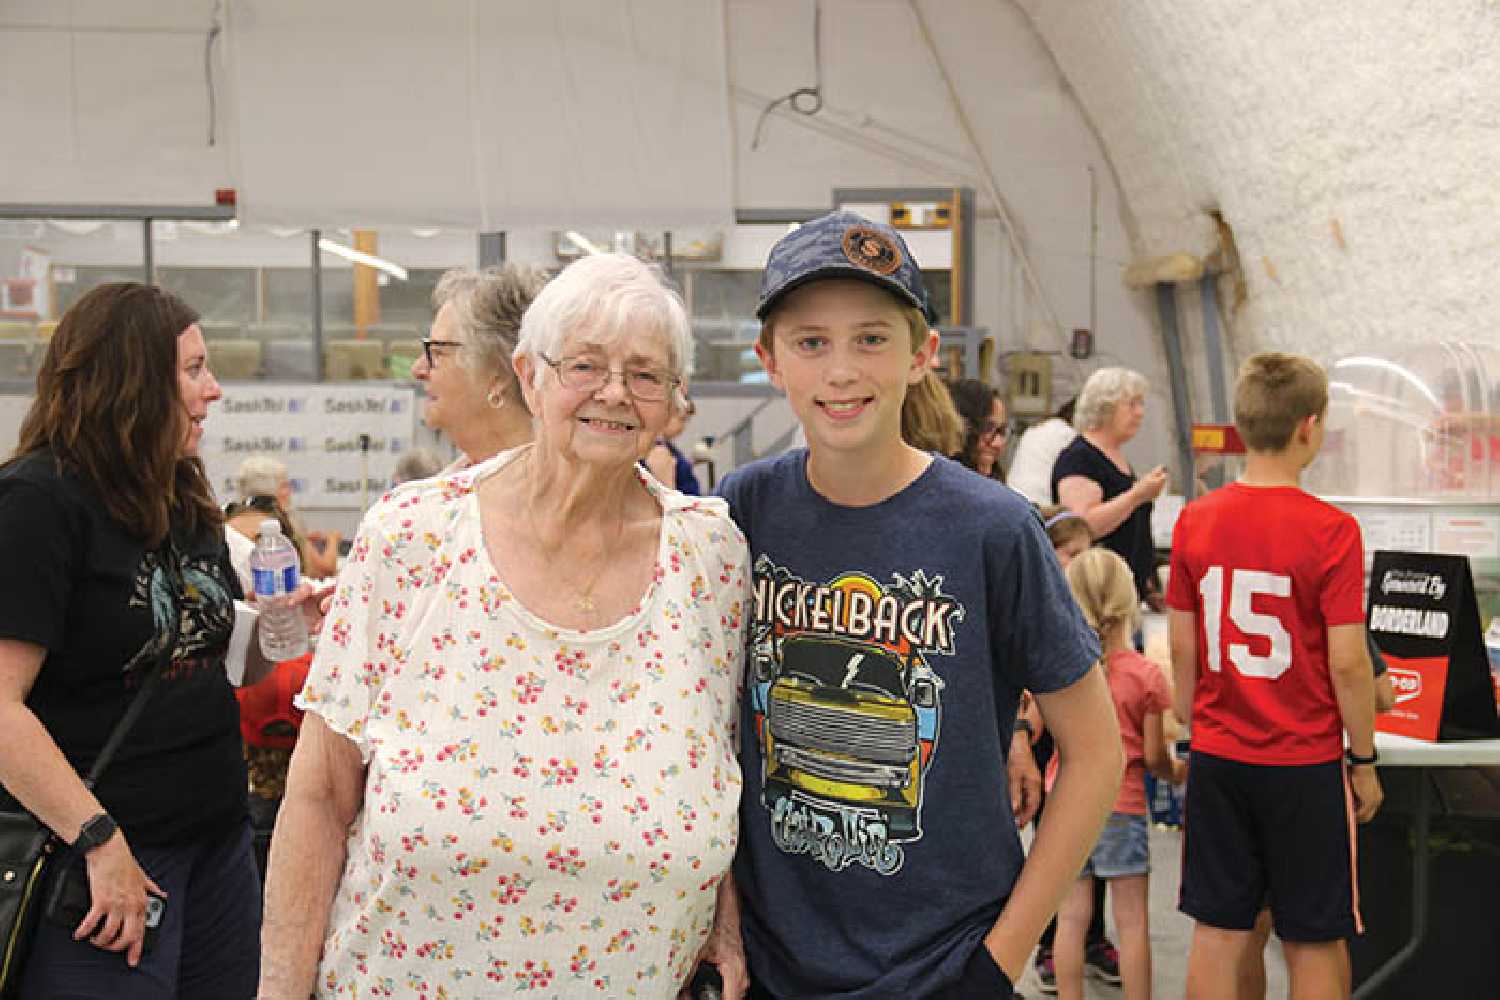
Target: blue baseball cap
point(842, 245)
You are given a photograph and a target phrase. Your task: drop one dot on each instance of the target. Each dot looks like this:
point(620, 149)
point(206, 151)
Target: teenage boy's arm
point(1182, 636)
point(1354, 688)
point(1090, 760)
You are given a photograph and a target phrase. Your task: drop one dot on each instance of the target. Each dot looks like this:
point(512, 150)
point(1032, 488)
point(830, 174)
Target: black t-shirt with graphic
point(95, 597)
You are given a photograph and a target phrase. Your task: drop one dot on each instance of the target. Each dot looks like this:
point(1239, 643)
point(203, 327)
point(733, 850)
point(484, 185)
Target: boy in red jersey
point(1266, 616)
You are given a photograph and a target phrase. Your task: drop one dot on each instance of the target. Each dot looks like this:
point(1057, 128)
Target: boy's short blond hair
point(1273, 394)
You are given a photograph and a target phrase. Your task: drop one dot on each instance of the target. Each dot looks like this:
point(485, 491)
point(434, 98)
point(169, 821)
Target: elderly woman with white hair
point(517, 770)
point(1092, 477)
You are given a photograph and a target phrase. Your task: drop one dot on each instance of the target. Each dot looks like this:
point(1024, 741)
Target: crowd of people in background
point(571, 728)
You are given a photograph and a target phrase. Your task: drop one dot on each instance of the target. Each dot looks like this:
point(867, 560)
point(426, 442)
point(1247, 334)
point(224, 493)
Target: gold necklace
point(584, 599)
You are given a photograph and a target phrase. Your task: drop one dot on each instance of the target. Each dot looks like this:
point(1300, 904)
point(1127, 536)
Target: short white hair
point(607, 295)
point(1104, 390)
point(260, 476)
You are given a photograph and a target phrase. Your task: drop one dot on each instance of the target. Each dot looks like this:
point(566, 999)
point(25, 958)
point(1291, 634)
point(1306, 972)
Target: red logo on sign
point(1407, 684)
point(1419, 682)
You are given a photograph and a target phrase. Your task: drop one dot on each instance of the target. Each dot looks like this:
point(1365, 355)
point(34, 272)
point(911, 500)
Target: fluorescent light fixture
point(581, 242)
point(369, 260)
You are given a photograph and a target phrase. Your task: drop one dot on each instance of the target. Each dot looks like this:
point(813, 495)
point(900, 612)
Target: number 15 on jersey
point(1240, 587)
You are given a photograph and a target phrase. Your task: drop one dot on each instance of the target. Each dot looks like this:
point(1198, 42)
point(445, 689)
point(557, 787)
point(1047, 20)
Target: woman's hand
point(1150, 486)
point(1025, 779)
point(314, 603)
point(725, 949)
point(117, 889)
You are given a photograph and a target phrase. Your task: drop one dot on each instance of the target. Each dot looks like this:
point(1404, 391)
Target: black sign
point(1424, 618)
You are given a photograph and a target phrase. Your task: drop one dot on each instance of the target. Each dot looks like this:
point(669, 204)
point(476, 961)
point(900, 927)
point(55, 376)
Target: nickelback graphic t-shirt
point(889, 646)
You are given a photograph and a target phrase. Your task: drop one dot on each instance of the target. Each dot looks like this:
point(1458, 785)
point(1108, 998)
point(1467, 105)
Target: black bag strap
point(167, 557)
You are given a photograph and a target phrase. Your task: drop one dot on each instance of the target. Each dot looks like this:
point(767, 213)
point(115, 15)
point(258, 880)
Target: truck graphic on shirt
point(847, 735)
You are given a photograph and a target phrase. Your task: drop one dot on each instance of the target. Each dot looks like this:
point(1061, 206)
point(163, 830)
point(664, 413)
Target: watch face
point(95, 832)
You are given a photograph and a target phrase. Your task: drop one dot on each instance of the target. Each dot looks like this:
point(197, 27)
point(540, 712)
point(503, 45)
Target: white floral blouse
point(546, 812)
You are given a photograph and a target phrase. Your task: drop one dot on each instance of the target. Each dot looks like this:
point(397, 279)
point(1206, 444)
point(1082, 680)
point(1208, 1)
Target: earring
point(496, 398)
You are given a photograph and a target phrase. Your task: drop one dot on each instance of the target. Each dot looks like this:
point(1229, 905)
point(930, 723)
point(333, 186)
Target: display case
point(1412, 449)
point(1421, 424)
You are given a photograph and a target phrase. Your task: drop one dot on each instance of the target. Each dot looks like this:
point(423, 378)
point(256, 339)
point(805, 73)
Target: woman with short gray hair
point(1092, 477)
point(471, 396)
point(521, 715)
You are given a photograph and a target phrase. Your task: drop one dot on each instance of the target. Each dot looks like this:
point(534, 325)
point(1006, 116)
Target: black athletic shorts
point(1258, 832)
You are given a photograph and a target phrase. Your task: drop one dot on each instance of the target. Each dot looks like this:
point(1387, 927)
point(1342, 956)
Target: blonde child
point(1070, 536)
point(1102, 584)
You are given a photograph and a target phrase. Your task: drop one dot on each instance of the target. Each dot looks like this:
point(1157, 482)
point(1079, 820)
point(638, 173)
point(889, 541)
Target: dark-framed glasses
point(990, 429)
point(428, 344)
point(643, 382)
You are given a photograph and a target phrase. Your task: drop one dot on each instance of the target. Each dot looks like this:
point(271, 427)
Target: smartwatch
point(94, 833)
point(1355, 760)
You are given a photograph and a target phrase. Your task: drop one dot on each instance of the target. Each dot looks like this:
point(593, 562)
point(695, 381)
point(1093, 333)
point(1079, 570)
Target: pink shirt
point(1138, 688)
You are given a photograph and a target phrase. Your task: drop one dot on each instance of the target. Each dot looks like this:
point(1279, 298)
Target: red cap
point(267, 716)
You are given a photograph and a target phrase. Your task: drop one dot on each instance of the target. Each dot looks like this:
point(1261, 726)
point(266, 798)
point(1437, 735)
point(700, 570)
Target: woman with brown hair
point(115, 546)
point(985, 428)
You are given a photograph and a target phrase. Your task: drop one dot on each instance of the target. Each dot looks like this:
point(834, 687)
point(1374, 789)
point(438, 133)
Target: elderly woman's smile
point(572, 587)
point(607, 426)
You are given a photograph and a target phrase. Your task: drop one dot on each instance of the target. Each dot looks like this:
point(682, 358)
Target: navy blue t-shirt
point(888, 650)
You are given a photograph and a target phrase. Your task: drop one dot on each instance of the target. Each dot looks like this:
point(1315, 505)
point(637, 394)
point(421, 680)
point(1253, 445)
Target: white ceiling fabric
point(105, 103)
point(557, 114)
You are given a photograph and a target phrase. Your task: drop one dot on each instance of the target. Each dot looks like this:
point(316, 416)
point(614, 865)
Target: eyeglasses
point(649, 385)
point(428, 344)
point(991, 430)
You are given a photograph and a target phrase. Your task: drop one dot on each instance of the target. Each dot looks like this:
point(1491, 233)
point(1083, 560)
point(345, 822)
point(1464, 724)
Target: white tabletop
point(1403, 751)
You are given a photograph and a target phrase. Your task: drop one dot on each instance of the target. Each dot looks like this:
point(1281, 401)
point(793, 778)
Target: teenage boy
point(901, 605)
point(1268, 651)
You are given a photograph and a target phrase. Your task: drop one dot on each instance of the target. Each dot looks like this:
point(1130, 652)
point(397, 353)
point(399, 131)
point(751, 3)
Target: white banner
point(316, 431)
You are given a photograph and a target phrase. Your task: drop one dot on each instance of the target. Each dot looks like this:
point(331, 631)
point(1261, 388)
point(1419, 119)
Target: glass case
point(1413, 451)
point(1420, 424)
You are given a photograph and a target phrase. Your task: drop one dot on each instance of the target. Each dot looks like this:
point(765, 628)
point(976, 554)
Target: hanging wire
point(804, 100)
point(214, 30)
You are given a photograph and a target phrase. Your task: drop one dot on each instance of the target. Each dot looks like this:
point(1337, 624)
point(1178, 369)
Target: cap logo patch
point(871, 249)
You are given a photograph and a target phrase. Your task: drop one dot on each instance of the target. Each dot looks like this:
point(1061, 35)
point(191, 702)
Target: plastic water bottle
point(276, 570)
